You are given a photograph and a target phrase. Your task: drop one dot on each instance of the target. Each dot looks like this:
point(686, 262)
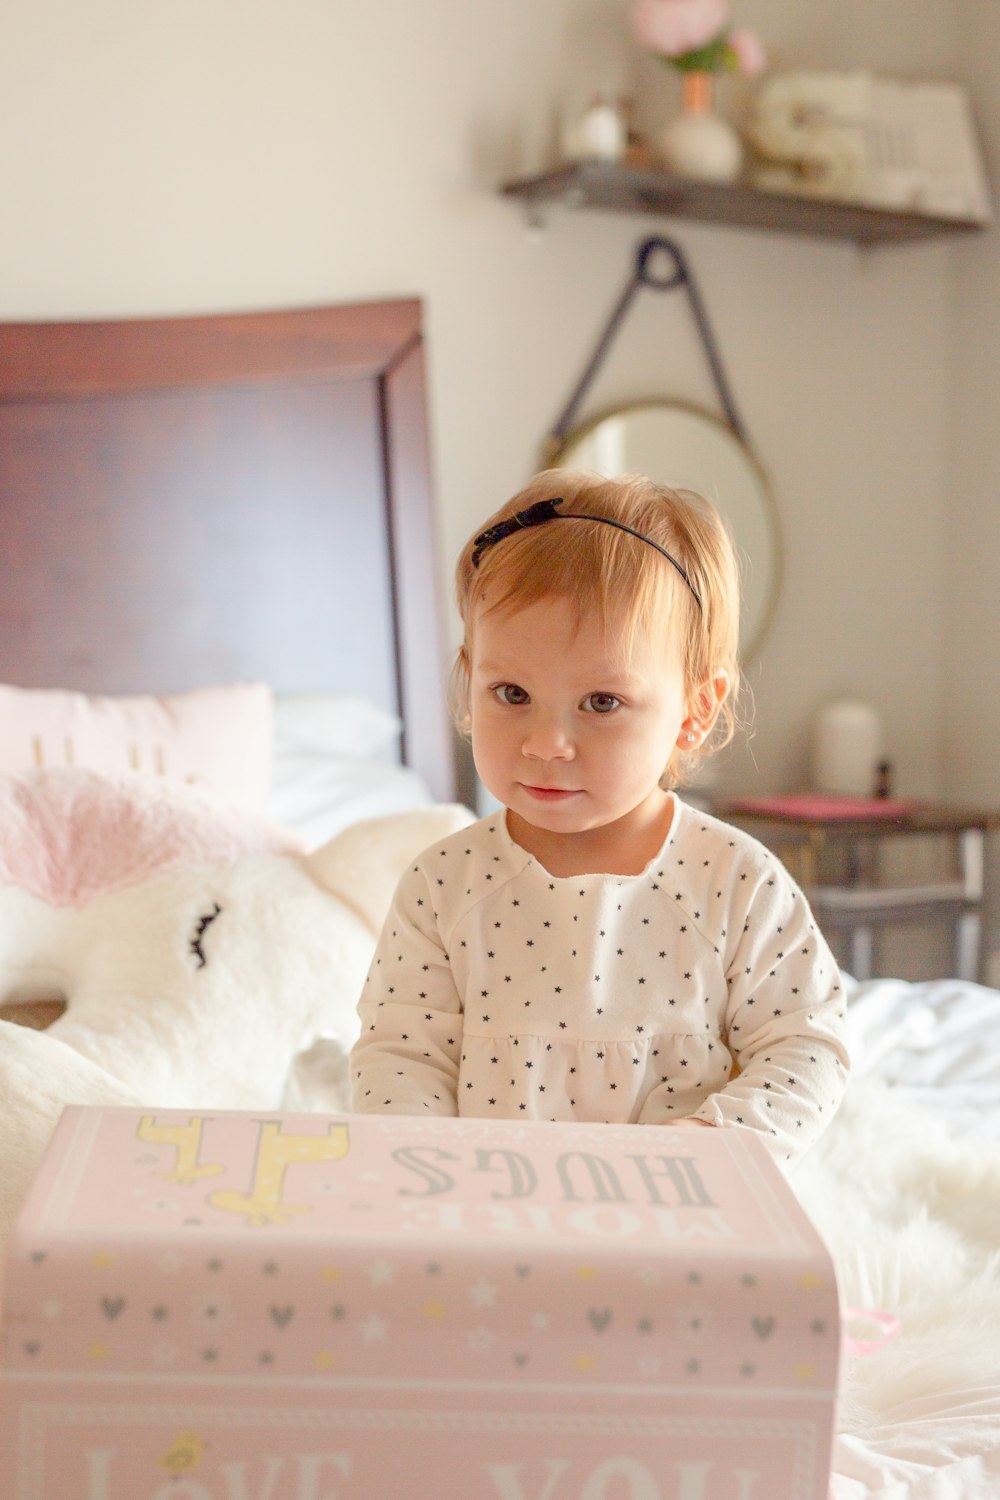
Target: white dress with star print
point(700, 987)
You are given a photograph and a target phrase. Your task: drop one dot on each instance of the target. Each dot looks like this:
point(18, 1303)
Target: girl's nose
point(547, 739)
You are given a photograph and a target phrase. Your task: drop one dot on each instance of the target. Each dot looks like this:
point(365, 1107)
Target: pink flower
point(673, 27)
point(748, 51)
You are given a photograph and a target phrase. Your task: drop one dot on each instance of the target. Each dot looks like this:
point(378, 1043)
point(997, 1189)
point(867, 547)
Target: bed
point(189, 504)
point(197, 501)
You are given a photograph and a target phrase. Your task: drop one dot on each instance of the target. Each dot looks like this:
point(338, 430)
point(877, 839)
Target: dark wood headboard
point(190, 501)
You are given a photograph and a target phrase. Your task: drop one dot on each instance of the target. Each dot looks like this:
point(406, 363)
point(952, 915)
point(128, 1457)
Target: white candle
point(847, 749)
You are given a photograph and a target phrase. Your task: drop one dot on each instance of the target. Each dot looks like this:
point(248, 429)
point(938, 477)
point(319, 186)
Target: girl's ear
point(458, 691)
point(703, 710)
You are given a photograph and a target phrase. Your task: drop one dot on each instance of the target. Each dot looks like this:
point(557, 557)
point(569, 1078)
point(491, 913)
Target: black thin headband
point(545, 510)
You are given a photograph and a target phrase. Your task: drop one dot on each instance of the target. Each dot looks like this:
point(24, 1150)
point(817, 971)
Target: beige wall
point(972, 501)
point(217, 154)
point(971, 726)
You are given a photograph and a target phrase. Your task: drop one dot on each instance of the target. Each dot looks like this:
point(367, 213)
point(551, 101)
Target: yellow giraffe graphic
point(186, 1141)
point(275, 1153)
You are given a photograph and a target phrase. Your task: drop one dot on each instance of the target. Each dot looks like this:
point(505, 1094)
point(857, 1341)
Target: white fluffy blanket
point(910, 1207)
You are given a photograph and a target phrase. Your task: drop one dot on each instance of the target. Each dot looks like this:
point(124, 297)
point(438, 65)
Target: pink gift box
point(299, 1307)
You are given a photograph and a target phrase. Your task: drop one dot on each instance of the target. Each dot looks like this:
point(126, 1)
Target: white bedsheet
point(937, 1044)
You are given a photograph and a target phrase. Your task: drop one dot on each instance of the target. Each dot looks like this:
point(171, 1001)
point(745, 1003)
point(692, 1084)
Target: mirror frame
point(558, 447)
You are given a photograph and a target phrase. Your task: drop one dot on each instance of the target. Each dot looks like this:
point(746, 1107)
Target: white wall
point(225, 154)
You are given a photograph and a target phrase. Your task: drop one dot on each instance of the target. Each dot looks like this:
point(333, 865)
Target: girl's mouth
point(549, 793)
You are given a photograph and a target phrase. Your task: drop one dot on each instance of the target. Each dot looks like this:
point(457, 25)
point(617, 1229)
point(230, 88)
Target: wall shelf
point(646, 190)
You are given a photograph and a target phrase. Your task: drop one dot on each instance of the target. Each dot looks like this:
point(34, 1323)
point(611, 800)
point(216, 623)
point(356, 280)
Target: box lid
point(231, 1243)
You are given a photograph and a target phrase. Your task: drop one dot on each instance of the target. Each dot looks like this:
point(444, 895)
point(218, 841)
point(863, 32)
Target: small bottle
point(601, 132)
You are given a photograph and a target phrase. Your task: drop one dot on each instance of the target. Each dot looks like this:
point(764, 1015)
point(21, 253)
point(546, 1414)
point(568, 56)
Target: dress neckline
point(528, 859)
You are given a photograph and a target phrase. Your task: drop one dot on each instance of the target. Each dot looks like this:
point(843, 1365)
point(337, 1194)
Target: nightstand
point(832, 847)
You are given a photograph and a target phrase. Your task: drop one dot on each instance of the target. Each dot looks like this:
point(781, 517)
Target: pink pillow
point(219, 738)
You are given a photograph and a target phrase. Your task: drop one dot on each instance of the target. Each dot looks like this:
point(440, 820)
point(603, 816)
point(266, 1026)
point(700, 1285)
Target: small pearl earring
point(690, 736)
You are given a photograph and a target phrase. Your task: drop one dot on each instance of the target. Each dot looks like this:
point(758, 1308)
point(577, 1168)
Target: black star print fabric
point(700, 987)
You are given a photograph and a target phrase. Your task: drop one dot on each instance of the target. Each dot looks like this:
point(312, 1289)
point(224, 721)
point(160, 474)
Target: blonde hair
point(627, 583)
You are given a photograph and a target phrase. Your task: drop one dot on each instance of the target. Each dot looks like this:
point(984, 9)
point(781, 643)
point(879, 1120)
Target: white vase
point(698, 142)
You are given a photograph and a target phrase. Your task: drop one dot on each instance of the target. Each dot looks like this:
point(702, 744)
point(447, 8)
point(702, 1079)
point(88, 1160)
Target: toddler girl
point(597, 949)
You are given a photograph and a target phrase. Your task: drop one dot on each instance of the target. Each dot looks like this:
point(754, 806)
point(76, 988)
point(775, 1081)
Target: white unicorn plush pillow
point(195, 952)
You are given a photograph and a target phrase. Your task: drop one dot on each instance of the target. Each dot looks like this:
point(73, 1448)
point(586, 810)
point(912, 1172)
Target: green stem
point(716, 56)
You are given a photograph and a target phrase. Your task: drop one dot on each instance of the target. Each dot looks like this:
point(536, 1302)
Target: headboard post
point(429, 741)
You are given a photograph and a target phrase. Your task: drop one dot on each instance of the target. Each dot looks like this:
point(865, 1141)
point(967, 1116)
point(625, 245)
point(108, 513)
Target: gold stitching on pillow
point(36, 746)
point(70, 752)
point(133, 756)
point(159, 759)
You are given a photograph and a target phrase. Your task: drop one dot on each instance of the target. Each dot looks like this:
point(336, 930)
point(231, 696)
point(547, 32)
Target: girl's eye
point(601, 703)
point(509, 692)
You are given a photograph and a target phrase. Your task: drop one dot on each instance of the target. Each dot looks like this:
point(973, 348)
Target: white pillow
point(335, 724)
point(318, 796)
point(336, 761)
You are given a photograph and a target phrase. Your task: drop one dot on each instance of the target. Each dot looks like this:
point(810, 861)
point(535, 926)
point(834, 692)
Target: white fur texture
point(912, 1219)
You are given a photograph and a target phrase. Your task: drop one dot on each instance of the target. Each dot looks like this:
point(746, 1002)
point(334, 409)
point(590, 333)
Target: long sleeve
point(406, 1058)
point(785, 1020)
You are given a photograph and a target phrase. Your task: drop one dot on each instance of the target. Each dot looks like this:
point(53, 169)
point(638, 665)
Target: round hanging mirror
point(686, 447)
